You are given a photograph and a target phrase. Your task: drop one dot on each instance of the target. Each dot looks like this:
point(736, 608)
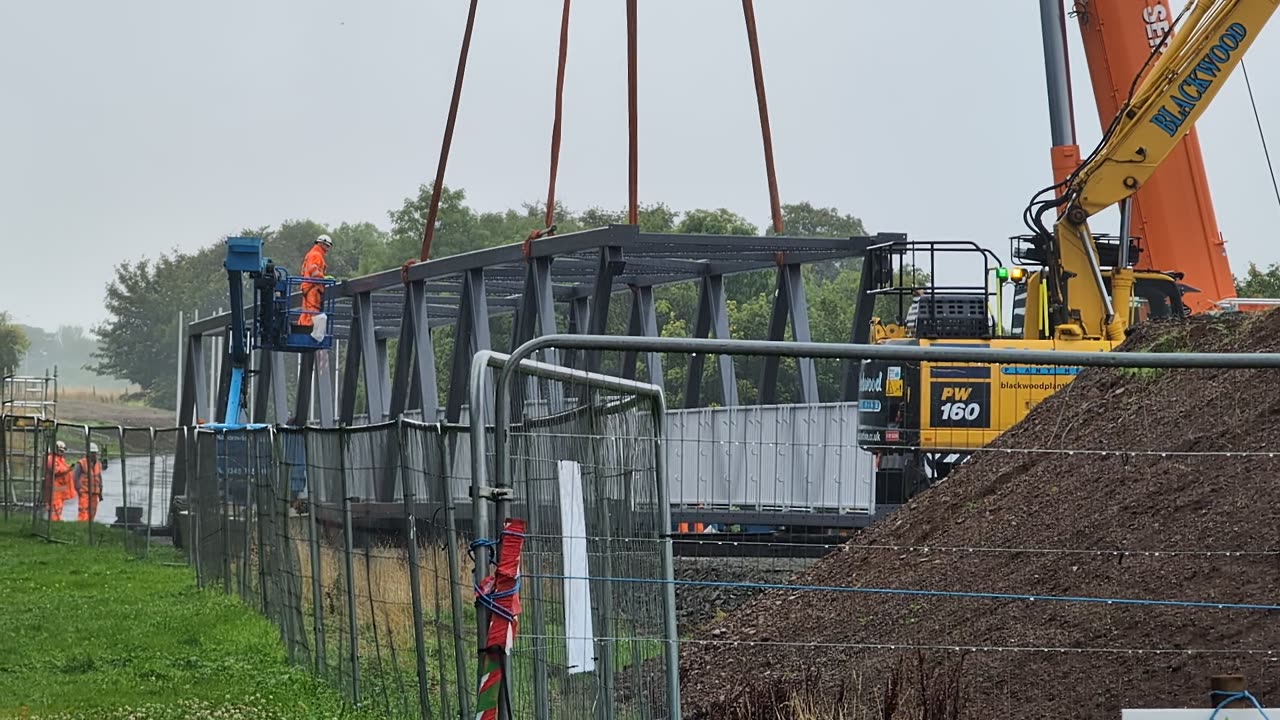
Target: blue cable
point(489, 600)
point(1234, 696)
point(929, 593)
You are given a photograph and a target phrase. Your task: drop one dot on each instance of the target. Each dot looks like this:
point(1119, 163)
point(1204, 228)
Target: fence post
point(88, 440)
point(151, 488)
point(193, 503)
point(1223, 686)
point(253, 510)
point(224, 500)
point(353, 626)
point(455, 564)
point(671, 652)
point(4, 464)
point(608, 660)
point(317, 588)
point(415, 591)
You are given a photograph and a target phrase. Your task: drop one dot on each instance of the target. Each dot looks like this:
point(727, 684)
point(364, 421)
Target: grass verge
point(89, 633)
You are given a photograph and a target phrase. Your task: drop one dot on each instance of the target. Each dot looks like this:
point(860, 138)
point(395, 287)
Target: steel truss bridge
point(539, 286)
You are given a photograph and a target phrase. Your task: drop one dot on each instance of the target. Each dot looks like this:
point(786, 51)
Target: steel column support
point(712, 316)
point(427, 388)
point(195, 398)
point(279, 389)
point(326, 403)
point(371, 355)
point(643, 323)
point(610, 265)
point(471, 335)
point(306, 378)
point(401, 378)
point(789, 301)
point(414, 383)
point(384, 376)
point(351, 372)
point(579, 315)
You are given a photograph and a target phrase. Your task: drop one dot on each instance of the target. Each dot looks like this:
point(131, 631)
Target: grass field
point(89, 633)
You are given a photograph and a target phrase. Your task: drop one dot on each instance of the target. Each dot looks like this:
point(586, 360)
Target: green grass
point(89, 633)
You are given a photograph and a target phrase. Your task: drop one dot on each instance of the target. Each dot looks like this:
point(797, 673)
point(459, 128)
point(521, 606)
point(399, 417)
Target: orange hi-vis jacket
point(88, 481)
point(58, 475)
point(313, 266)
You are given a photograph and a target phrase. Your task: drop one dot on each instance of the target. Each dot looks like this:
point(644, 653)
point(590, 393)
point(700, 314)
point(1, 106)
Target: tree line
point(138, 340)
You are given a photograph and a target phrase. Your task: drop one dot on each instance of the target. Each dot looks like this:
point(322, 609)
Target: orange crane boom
point(1173, 212)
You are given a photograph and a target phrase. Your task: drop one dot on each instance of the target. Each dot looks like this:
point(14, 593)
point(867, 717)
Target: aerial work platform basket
point(279, 323)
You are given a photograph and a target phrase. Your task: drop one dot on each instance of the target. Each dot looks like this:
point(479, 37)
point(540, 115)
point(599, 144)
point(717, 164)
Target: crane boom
point(1174, 94)
point(1172, 213)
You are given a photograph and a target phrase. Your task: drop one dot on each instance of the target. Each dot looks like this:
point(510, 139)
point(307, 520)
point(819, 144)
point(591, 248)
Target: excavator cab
point(1155, 296)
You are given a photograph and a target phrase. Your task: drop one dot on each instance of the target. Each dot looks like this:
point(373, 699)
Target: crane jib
point(1194, 86)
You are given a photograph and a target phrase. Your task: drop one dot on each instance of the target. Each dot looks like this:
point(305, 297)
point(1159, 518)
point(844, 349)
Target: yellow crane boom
point(1174, 93)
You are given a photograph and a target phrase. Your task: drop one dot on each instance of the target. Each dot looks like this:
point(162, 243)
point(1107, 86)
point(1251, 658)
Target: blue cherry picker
point(270, 323)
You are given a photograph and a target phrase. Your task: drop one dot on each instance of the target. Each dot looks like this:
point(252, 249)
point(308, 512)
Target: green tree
point(805, 220)
point(13, 345)
point(1258, 283)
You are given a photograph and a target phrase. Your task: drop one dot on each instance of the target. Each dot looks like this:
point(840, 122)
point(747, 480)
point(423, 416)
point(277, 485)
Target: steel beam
point(414, 384)
point(279, 388)
point(643, 322)
point(426, 387)
point(610, 265)
point(471, 335)
point(195, 396)
point(384, 376)
point(712, 316)
point(789, 302)
point(302, 400)
point(325, 400)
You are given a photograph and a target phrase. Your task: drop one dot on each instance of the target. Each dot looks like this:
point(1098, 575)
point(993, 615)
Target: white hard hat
point(93, 447)
point(60, 445)
point(326, 240)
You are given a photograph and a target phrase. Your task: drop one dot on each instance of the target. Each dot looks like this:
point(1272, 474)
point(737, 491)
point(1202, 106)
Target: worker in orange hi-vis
point(313, 266)
point(87, 478)
point(57, 480)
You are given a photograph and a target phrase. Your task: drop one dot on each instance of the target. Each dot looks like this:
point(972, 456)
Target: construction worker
point(313, 266)
point(87, 478)
point(57, 480)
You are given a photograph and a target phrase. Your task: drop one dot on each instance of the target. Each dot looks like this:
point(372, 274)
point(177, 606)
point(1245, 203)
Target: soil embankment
point(1179, 469)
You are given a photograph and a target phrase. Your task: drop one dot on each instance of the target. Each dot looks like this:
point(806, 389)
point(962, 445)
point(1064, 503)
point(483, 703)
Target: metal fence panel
point(594, 638)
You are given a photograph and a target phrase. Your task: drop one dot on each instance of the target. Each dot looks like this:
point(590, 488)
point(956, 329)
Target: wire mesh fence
point(583, 459)
point(1107, 527)
point(894, 554)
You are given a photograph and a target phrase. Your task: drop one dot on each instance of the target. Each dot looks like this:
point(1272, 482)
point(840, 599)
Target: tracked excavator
point(1082, 291)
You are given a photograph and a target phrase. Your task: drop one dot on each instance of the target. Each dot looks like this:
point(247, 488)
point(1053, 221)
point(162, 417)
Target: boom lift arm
point(1162, 109)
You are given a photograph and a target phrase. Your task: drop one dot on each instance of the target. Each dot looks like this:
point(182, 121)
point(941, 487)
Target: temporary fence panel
point(23, 441)
point(594, 637)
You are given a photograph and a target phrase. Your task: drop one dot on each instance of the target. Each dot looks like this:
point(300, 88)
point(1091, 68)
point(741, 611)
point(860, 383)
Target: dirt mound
point(811, 646)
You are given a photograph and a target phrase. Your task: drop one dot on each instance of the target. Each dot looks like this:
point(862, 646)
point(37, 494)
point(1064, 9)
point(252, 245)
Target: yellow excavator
point(920, 419)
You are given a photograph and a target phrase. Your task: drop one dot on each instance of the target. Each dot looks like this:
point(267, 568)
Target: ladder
point(28, 411)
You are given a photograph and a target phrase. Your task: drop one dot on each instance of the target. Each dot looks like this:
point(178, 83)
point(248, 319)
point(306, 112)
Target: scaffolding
point(28, 405)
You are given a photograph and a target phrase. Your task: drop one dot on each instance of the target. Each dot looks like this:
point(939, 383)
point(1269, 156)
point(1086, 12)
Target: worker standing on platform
point(87, 479)
point(57, 480)
point(314, 265)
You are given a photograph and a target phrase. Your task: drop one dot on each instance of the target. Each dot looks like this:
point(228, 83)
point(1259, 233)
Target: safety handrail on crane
point(1171, 98)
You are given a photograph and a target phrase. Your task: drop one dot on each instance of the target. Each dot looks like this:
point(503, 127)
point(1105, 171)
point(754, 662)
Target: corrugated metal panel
point(778, 457)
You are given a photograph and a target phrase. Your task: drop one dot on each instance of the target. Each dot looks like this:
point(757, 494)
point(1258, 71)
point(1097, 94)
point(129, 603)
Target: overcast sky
point(137, 126)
